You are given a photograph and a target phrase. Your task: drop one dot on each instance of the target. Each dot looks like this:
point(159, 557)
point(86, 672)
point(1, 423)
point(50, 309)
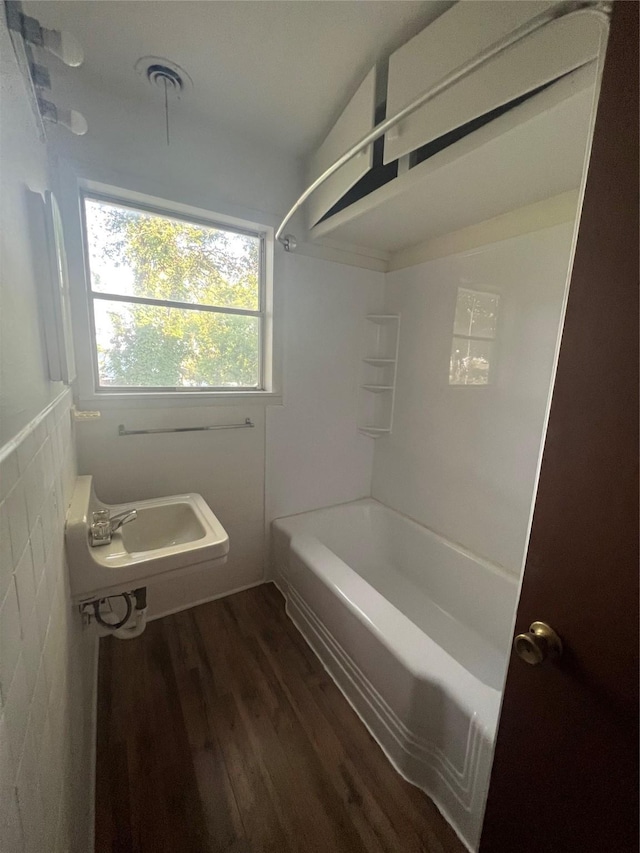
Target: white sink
point(163, 525)
point(169, 536)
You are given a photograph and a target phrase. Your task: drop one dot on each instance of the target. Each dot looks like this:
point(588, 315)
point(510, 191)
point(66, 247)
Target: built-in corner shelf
point(373, 432)
point(382, 319)
point(377, 388)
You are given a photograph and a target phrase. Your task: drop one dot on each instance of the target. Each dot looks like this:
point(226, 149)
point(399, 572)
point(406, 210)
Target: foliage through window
point(474, 331)
point(176, 304)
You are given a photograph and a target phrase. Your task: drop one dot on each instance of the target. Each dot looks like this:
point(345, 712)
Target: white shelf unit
point(378, 385)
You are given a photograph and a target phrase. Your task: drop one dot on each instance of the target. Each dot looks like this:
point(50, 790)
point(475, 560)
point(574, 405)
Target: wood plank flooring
point(220, 732)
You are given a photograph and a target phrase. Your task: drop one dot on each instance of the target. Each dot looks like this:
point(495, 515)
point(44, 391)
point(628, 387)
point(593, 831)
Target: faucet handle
point(100, 530)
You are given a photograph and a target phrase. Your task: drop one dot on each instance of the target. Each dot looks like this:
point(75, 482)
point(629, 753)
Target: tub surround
point(416, 634)
point(462, 460)
point(314, 455)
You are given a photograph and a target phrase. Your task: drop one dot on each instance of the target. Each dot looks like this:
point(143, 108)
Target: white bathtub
point(416, 633)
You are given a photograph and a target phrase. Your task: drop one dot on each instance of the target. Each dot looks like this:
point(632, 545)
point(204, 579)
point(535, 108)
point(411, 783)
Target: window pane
point(156, 347)
point(470, 362)
point(476, 313)
point(132, 253)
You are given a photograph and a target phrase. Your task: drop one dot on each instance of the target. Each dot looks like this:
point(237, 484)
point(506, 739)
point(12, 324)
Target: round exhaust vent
point(163, 72)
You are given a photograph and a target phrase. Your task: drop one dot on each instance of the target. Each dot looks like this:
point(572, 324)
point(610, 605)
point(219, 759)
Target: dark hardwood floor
point(219, 730)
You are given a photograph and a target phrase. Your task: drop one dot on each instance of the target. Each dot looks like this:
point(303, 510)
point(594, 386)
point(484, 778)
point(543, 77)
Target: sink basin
point(162, 526)
point(170, 535)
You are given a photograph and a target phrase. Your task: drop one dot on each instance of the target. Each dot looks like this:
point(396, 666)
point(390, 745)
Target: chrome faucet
point(103, 526)
point(121, 518)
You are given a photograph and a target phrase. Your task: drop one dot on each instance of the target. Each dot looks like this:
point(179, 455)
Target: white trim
point(350, 254)
point(166, 206)
point(205, 600)
point(415, 759)
point(157, 400)
point(369, 251)
point(11, 445)
point(551, 211)
point(276, 582)
point(72, 177)
point(118, 198)
point(514, 223)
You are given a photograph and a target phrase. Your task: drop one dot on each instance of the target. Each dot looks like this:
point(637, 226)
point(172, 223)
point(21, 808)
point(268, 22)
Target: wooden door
point(565, 776)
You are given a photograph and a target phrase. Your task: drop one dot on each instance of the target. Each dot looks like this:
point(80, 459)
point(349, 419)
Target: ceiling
point(279, 71)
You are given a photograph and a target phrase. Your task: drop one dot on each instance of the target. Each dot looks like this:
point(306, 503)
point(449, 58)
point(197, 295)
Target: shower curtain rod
point(601, 9)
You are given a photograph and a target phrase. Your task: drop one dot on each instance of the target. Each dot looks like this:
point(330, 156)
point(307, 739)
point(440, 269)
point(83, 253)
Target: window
point(176, 304)
point(474, 331)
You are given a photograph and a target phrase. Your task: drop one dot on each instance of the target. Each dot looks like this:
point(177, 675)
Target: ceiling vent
point(167, 76)
point(160, 72)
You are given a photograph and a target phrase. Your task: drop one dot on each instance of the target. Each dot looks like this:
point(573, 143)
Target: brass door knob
point(541, 642)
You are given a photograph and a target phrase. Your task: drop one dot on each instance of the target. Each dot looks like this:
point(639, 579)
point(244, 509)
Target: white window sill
point(180, 399)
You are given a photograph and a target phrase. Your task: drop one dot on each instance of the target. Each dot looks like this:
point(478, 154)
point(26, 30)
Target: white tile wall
point(47, 662)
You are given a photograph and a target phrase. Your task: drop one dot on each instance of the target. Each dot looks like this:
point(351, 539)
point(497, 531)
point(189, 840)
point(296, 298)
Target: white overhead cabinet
point(512, 133)
point(356, 120)
point(456, 37)
point(527, 155)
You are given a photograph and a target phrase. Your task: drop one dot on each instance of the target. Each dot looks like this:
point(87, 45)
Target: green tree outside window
point(137, 254)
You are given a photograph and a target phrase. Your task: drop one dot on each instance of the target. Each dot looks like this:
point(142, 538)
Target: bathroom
point(287, 446)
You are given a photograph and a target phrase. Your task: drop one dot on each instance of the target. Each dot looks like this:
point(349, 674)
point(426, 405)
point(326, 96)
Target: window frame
point(264, 314)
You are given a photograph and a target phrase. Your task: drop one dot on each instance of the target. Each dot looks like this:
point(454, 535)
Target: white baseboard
point(218, 595)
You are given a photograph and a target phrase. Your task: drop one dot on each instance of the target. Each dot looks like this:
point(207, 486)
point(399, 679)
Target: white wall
point(462, 459)
point(315, 456)
point(205, 165)
point(24, 385)
point(207, 168)
point(225, 466)
point(311, 452)
point(47, 661)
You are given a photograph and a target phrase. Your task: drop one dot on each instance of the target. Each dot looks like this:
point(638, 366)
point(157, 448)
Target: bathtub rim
point(511, 575)
point(402, 638)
